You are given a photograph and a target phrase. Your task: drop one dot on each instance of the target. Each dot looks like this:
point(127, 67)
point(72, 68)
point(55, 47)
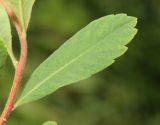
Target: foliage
point(128, 89)
point(89, 51)
point(78, 58)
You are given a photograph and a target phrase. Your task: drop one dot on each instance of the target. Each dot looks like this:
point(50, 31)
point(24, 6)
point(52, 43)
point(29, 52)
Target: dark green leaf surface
point(89, 51)
point(3, 53)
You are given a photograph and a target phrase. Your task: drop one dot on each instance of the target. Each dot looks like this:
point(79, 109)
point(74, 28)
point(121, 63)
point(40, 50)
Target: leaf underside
point(89, 51)
point(50, 123)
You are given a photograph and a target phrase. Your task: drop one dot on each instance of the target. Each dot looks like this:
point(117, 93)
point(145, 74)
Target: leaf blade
point(5, 33)
point(79, 57)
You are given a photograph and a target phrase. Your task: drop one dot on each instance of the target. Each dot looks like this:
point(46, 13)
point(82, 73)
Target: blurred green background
point(127, 93)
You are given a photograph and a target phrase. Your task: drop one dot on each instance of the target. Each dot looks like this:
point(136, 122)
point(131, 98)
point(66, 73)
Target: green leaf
point(23, 9)
point(89, 51)
point(50, 123)
point(5, 32)
point(3, 53)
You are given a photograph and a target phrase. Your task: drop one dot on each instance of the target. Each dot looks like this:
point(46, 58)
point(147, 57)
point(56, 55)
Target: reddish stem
point(20, 65)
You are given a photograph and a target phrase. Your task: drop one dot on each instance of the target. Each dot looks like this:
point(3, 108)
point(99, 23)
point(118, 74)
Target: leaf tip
point(50, 123)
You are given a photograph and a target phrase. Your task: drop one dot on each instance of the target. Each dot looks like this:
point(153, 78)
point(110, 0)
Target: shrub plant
point(92, 49)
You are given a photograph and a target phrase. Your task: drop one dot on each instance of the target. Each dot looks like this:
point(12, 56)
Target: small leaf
point(50, 123)
point(5, 32)
point(23, 9)
point(89, 51)
point(3, 53)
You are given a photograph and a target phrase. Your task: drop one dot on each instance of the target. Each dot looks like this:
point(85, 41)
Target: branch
point(20, 65)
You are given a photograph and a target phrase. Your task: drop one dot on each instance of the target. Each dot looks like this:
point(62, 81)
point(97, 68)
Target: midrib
point(54, 73)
